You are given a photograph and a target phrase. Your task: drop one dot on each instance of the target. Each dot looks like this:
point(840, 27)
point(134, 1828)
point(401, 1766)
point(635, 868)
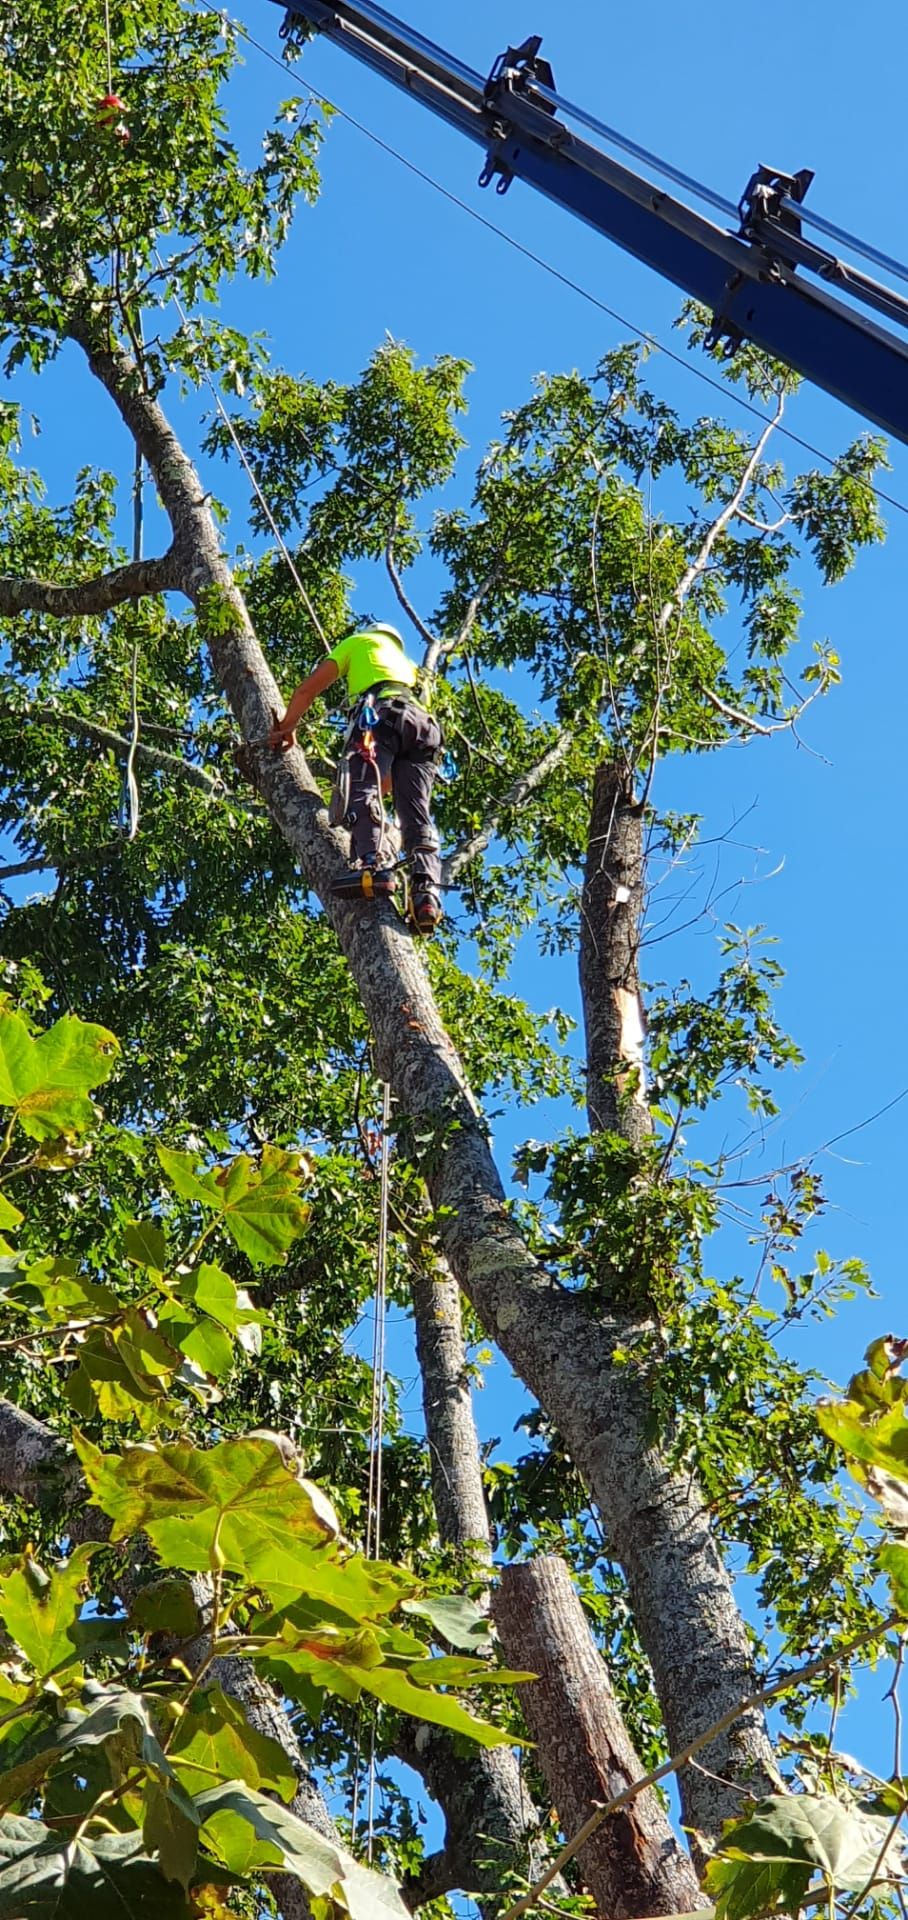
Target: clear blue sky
point(714, 92)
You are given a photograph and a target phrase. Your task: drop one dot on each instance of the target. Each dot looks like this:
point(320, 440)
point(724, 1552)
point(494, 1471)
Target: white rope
point(376, 1441)
point(129, 793)
point(250, 472)
point(107, 41)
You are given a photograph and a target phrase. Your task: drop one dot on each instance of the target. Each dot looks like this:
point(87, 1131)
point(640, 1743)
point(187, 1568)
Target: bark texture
point(97, 595)
point(680, 1591)
point(455, 1465)
point(491, 1824)
point(633, 1865)
point(610, 914)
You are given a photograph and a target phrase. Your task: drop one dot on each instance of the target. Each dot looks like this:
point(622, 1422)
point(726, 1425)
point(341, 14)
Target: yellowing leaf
point(236, 1499)
point(41, 1611)
point(47, 1081)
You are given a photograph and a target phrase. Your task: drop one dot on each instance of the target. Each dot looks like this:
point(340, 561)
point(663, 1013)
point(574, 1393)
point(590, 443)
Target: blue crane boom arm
point(752, 280)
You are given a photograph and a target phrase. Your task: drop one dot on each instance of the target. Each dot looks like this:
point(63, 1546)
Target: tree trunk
point(680, 1591)
point(454, 1460)
point(491, 1824)
point(610, 914)
point(633, 1865)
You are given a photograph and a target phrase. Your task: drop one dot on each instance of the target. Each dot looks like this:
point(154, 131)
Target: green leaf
point(166, 1606)
point(180, 1170)
point(10, 1216)
point(170, 1829)
point(112, 1711)
point(46, 1876)
point(115, 1711)
point(214, 1741)
point(145, 1245)
point(767, 1860)
point(41, 1612)
point(64, 1292)
point(259, 1204)
point(457, 1618)
point(873, 1440)
point(235, 1502)
point(350, 1664)
point(325, 1869)
point(262, 1209)
point(210, 1347)
point(894, 1561)
point(212, 1291)
point(47, 1081)
point(453, 1671)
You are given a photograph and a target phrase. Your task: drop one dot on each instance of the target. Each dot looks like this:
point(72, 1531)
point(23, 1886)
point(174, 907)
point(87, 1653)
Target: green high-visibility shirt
point(366, 659)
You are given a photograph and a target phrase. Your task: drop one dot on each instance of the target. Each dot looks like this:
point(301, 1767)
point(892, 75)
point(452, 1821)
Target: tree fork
point(633, 1865)
point(657, 1528)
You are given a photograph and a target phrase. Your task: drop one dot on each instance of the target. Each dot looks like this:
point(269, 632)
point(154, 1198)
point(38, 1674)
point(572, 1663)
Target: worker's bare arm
point(283, 733)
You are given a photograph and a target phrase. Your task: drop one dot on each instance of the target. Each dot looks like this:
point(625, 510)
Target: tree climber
point(391, 742)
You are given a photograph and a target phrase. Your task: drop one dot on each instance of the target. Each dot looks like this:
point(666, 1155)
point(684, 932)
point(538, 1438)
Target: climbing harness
point(376, 1442)
point(374, 879)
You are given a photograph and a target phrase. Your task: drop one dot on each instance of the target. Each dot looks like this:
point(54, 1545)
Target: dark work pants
point(407, 740)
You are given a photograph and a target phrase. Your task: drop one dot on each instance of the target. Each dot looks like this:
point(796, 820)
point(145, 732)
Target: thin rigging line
point(250, 472)
point(376, 1442)
point(107, 43)
point(650, 339)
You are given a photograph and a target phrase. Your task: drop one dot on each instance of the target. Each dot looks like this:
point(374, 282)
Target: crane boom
point(753, 280)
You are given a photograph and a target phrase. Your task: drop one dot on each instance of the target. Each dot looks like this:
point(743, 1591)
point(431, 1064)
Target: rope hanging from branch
point(376, 1441)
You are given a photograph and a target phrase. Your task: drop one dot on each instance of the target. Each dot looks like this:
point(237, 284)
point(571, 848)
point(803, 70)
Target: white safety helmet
point(383, 626)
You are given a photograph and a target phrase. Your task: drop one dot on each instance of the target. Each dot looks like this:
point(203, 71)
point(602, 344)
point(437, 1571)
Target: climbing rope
point(376, 1441)
point(129, 793)
point(250, 472)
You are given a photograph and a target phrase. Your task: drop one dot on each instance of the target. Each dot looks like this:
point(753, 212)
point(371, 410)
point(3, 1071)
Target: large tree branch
point(491, 1824)
point(634, 1864)
point(610, 911)
point(98, 595)
point(761, 1697)
point(560, 1347)
point(519, 790)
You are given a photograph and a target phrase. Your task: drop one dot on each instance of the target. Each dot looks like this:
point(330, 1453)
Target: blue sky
point(818, 86)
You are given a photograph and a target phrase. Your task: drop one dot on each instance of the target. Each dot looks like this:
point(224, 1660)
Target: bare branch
point(747, 720)
point(402, 595)
point(731, 508)
point(519, 790)
point(439, 649)
point(210, 783)
point(98, 595)
point(61, 862)
point(764, 526)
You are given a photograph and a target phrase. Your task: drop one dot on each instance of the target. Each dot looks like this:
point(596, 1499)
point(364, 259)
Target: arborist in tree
point(391, 742)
